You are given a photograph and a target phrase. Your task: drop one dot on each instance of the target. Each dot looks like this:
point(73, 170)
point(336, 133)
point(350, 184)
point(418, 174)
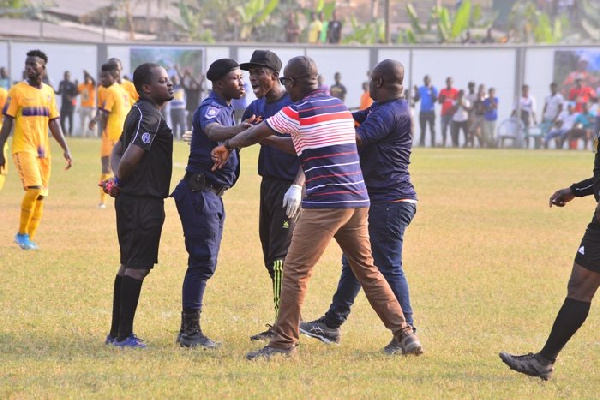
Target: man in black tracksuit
point(281, 186)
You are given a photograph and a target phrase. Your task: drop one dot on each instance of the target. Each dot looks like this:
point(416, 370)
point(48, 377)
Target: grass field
point(487, 262)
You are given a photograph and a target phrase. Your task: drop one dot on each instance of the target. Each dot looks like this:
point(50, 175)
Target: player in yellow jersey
point(4, 149)
point(127, 85)
point(31, 109)
point(116, 105)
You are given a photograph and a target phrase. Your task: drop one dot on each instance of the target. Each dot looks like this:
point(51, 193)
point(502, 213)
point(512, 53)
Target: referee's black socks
point(130, 294)
point(570, 318)
point(116, 311)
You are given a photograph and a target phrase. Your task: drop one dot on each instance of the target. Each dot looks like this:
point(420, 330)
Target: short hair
point(142, 75)
point(38, 54)
point(115, 61)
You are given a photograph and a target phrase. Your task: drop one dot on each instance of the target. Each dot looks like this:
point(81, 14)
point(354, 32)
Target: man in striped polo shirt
point(385, 128)
point(335, 206)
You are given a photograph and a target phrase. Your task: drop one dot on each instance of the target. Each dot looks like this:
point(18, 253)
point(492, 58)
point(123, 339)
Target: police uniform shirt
point(146, 128)
point(385, 131)
point(214, 109)
point(273, 163)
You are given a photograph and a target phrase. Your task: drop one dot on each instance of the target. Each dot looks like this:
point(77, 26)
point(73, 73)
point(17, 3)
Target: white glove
point(187, 137)
point(291, 200)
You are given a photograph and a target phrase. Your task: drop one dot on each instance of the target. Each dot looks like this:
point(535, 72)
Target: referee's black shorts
point(139, 226)
point(588, 253)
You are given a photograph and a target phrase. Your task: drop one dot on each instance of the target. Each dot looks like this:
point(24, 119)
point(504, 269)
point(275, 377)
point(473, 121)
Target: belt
point(197, 182)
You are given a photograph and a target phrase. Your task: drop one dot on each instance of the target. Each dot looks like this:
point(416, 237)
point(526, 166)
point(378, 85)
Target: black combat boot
point(192, 334)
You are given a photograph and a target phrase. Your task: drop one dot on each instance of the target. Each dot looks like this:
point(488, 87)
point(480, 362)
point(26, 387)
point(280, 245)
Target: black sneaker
point(267, 352)
point(409, 344)
point(529, 364)
point(198, 339)
point(319, 330)
point(266, 335)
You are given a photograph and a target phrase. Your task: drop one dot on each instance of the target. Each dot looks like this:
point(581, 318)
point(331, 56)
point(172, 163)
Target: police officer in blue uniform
point(282, 178)
point(385, 140)
point(198, 194)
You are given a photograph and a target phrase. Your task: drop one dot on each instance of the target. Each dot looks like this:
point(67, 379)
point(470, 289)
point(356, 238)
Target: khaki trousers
point(314, 230)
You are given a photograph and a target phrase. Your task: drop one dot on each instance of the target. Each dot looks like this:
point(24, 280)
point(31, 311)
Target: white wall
point(351, 63)
point(491, 66)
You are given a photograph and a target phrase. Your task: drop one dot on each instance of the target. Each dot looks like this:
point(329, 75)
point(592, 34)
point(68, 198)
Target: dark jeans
point(387, 223)
point(66, 113)
point(424, 118)
point(455, 128)
point(202, 218)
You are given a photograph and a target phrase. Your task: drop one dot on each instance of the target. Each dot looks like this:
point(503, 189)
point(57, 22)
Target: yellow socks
point(36, 218)
point(27, 208)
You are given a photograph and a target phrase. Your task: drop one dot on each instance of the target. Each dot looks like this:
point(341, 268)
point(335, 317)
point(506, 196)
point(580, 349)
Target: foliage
point(253, 14)
point(369, 33)
point(530, 23)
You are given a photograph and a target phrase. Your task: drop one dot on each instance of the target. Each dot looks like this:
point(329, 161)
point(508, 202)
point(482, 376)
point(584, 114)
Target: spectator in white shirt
point(563, 124)
point(528, 106)
point(552, 108)
point(460, 118)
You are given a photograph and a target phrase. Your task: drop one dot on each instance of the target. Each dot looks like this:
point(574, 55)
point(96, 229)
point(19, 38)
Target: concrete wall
point(493, 66)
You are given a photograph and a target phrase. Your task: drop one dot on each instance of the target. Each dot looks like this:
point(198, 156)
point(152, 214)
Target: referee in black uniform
point(143, 162)
point(583, 284)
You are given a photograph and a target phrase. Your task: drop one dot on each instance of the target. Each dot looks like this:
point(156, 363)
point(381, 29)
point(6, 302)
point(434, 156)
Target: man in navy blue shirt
point(427, 94)
point(281, 186)
point(198, 194)
point(385, 141)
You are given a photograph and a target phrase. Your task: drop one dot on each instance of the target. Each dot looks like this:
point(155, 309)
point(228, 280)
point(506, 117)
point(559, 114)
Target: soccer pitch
point(487, 262)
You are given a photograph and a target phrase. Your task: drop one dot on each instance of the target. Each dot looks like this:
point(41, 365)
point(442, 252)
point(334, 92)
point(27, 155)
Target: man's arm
point(129, 161)
point(58, 136)
point(218, 133)
point(253, 135)
point(4, 133)
point(285, 144)
point(115, 156)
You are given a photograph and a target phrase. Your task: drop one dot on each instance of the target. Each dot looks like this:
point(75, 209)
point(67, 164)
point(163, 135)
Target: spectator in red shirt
point(446, 98)
point(581, 94)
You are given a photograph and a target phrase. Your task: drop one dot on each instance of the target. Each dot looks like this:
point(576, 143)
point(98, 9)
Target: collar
point(218, 99)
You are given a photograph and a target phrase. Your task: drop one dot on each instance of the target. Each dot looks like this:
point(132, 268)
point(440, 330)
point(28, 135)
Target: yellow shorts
point(33, 170)
point(107, 145)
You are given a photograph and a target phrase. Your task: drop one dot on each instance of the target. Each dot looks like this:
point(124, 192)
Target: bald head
point(303, 66)
point(303, 75)
point(386, 80)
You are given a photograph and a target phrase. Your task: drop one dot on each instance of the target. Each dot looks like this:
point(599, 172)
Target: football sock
point(116, 311)
point(277, 276)
point(130, 294)
point(27, 208)
point(193, 290)
point(36, 218)
point(103, 196)
point(570, 318)
point(2, 180)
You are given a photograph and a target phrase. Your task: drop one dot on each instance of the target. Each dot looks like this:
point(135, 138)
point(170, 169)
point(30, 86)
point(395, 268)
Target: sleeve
point(109, 100)
point(434, 91)
point(360, 116)
point(249, 112)
point(53, 109)
point(146, 129)
point(583, 188)
point(377, 127)
point(285, 121)
point(208, 114)
point(12, 102)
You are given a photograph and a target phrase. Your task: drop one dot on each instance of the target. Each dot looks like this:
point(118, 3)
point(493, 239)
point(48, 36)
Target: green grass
point(486, 258)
